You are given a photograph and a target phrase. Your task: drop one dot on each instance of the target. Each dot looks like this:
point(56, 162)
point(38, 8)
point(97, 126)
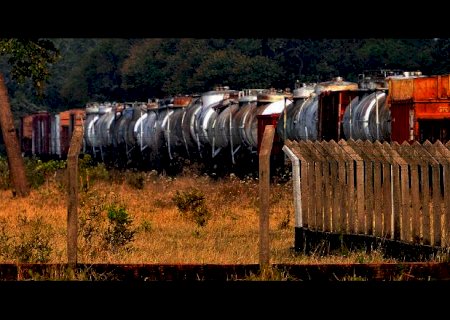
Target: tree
point(144, 71)
point(29, 58)
point(231, 68)
point(97, 77)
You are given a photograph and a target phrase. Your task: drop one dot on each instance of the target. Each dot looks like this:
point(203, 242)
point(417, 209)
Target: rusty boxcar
point(420, 108)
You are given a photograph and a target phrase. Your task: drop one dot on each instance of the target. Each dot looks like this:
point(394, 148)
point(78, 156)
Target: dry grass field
point(150, 218)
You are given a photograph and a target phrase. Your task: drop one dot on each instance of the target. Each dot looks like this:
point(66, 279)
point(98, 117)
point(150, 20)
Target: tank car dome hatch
point(152, 105)
point(304, 91)
point(246, 99)
point(92, 109)
point(269, 97)
point(215, 96)
point(182, 101)
point(271, 103)
point(102, 109)
point(249, 95)
point(337, 84)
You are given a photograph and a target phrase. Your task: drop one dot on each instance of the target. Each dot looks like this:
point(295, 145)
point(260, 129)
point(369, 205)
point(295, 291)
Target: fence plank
point(359, 148)
point(385, 205)
point(342, 221)
point(433, 150)
point(424, 184)
point(359, 185)
point(319, 178)
point(430, 202)
point(388, 188)
point(335, 185)
point(368, 149)
point(327, 161)
point(405, 192)
point(395, 160)
point(446, 194)
point(377, 189)
point(409, 154)
point(350, 187)
point(311, 184)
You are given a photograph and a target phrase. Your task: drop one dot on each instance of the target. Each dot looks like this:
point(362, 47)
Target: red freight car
point(35, 133)
point(68, 120)
point(420, 108)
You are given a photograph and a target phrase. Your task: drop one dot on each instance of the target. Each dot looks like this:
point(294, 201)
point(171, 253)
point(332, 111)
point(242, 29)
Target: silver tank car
point(92, 116)
point(153, 127)
point(189, 135)
point(222, 125)
point(102, 129)
point(173, 127)
point(212, 101)
point(240, 129)
point(103, 126)
point(267, 103)
point(139, 130)
point(368, 118)
point(144, 128)
point(299, 119)
point(125, 121)
point(159, 125)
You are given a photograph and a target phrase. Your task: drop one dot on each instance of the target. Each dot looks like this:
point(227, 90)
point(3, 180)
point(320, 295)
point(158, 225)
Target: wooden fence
point(386, 190)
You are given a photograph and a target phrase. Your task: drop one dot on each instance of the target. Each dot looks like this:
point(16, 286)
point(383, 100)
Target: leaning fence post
point(72, 208)
point(264, 186)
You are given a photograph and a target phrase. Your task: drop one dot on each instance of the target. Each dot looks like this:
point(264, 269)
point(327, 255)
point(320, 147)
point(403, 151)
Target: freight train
point(223, 127)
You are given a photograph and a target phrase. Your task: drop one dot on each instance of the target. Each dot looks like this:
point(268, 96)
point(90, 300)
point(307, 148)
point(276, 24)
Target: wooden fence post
point(306, 171)
point(296, 182)
point(72, 208)
point(264, 195)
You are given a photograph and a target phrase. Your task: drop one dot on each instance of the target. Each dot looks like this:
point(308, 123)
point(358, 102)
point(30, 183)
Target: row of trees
point(139, 69)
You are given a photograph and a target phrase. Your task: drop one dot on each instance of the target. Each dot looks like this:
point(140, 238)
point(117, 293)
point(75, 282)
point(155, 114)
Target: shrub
point(104, 226)
point(32, 244)
point(91, 223)
point(192, 204)
point(146, 226)
point(90, 171)
point(136, 180)
point(118, 233)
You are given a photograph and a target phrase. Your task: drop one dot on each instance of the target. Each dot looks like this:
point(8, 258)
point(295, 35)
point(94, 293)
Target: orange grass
point(164, 235)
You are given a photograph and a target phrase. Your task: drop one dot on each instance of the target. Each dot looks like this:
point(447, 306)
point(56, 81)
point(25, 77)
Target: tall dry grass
point(162, 234)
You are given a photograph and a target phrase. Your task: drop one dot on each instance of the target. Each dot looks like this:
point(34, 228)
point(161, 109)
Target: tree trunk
point(15, 161)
